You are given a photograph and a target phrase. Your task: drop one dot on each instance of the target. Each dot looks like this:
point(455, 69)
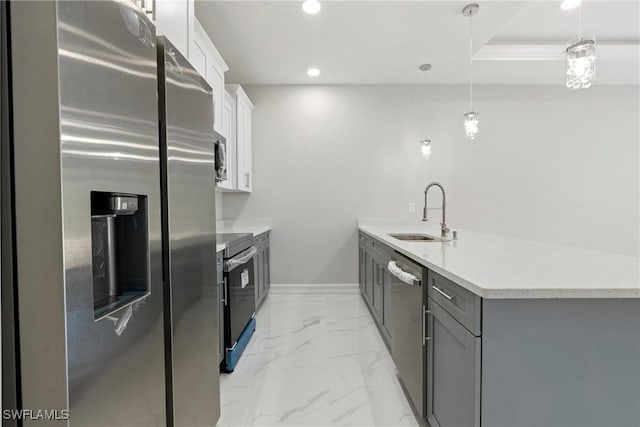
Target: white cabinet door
point(216, 79)
point(213, 71)
point(242, 138)
point(247, 148)
point(174, 20)
point(229, 131)
point(242, 174)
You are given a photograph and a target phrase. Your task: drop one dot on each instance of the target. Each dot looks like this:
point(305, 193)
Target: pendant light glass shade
point(581, 63)
point(471, 124)
point(425, 148)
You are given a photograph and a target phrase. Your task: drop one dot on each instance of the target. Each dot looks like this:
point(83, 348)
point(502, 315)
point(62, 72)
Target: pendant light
point(472, 118)
point(581, 59)
point(425, 144)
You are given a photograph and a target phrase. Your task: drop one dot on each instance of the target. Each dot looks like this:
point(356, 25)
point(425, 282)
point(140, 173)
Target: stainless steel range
point(238, 295)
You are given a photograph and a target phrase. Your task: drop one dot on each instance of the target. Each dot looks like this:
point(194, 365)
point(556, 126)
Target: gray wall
point(548, 165)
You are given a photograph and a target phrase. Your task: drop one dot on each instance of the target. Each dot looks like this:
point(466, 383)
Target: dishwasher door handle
point(402, 275)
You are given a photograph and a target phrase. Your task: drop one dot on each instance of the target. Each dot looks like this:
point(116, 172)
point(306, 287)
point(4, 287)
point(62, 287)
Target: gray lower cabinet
point(368, 278)
point(361, 268)
point(386, 302)
point(267, 268)
point(261, 264)
point(375, 282)
point(222, 296)
point(453, 371)
point(378, 275)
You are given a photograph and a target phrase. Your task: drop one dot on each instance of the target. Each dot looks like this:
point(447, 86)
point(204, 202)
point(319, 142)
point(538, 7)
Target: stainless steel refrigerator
point(82, 226)
point(189, 229)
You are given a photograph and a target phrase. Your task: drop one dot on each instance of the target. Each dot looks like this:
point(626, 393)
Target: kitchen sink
point(417, 237)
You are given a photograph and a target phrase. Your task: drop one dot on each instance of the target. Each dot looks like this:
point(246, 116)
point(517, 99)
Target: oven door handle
point(238, 260)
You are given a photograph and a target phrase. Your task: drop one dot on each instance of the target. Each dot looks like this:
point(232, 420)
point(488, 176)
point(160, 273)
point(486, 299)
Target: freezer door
point(188, 163)
point(109, 144)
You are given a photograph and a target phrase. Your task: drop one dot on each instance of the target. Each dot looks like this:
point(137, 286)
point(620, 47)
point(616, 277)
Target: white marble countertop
point(253, 226)
point(498, 267)
point(255, 230)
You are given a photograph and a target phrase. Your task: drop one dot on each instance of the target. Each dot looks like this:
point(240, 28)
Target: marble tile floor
point(316, 359)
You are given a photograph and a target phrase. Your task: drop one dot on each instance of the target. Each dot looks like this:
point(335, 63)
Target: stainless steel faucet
point(443, 225)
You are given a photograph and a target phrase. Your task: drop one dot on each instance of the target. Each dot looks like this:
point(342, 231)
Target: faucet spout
point(443, 225)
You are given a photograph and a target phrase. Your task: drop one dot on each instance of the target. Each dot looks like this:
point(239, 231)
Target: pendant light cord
point(580, 21)
point(470, 62)
point(425, 91)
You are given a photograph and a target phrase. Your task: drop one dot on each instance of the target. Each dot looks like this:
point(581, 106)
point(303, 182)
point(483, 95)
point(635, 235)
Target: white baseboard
point(320, 288)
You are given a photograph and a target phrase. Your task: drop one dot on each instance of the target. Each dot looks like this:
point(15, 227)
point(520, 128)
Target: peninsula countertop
point(497, 267)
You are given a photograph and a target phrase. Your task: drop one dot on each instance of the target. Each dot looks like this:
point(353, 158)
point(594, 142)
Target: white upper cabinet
point(229, 130)
point(174, 20)
point(243, 138)
point(232, 109)
point(212, 70)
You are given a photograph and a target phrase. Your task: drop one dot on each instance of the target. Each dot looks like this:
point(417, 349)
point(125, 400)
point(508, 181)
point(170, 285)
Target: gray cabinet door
point(263, 271)
point(222, 295)
point(368, 277)
point(267, 267)
point(377, 291)
point(453, 372)
point(256, 268)
point(221, 349)
point(386, 301)
point(362, 268)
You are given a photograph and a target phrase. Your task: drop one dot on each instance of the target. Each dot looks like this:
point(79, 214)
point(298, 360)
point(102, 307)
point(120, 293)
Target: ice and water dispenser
point(120, 250)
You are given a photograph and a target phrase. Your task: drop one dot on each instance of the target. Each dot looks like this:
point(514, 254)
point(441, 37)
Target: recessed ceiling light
point(311, 6)
point(313, 72)
point(570, 4)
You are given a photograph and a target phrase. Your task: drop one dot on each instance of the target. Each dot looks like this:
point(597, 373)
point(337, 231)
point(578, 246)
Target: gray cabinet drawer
point(461, 304)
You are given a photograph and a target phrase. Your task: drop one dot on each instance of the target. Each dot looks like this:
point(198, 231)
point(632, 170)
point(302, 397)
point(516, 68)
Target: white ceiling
point(384, 42)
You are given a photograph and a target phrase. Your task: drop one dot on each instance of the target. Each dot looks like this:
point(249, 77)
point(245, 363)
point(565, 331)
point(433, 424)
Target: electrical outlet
point(412, 207)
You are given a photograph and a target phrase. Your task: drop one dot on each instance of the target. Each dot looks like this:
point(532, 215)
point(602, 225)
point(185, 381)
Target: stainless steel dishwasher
point(408, 324)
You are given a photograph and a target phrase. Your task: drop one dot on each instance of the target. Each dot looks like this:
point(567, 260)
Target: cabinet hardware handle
point(426, 325)
point(443, 293)
point(247, 180)
point(425, 313)
point(424, 316)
